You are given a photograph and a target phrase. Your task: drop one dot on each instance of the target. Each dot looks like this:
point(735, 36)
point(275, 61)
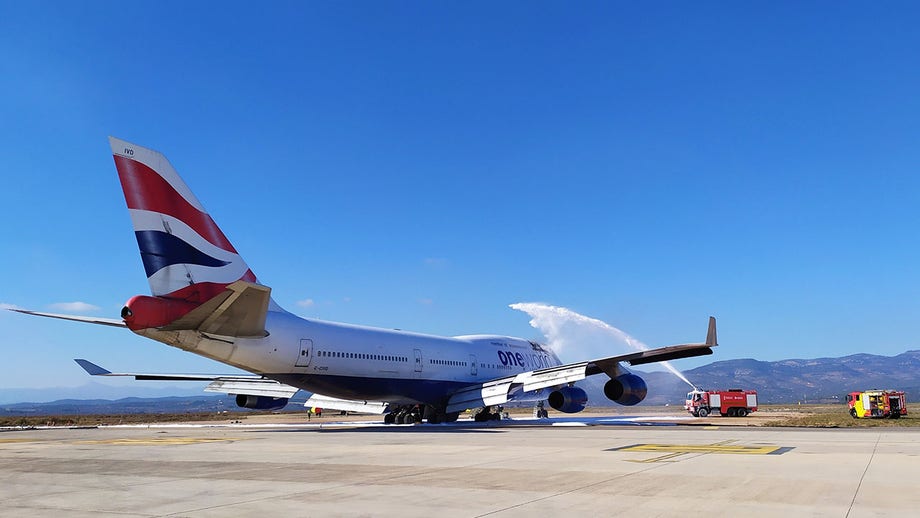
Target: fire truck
point(731, 403)
point(877, 403)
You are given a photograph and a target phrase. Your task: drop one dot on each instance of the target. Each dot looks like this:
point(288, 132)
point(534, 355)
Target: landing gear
point(409, 414)
point(412, 414)
point(485, 414)
point(540, 411)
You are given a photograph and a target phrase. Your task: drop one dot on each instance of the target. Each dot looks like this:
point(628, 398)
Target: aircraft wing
point(364, 407)
point(502, 390)
point(248, 385)
point(92, 320)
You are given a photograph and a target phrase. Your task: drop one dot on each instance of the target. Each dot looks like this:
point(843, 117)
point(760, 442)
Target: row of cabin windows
point(363, 356)
point(448, 362)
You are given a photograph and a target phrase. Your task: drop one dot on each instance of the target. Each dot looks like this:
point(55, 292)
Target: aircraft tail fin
point(185, 254)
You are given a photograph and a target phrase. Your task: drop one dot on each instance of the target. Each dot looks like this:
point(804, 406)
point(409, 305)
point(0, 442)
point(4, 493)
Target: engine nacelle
point(626, 389)
point(261, 402)
point(568, 399)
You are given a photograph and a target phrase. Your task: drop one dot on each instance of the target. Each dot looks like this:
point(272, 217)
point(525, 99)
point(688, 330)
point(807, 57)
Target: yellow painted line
point(702, 448)
point(155, 441)
point(11, 441)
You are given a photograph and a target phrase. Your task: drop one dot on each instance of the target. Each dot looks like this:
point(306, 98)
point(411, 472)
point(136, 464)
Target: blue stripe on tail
point(159, 250)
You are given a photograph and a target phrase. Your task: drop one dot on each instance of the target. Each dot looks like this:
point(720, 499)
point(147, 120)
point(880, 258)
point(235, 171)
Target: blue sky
point(423, 165)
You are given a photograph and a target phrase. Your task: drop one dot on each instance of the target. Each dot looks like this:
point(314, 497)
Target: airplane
point(206, 300)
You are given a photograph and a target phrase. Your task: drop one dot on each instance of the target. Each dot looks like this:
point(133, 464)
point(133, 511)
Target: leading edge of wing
point(96, 370)
point(254, 385)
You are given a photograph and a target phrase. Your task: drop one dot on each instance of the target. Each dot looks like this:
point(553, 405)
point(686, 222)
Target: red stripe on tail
point(146, 190)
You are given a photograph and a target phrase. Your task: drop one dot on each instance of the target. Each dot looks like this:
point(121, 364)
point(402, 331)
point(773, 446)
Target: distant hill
point(96, 390)
point(790, 381)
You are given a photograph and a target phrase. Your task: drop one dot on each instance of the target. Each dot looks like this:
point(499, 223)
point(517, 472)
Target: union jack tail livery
point(188, 260)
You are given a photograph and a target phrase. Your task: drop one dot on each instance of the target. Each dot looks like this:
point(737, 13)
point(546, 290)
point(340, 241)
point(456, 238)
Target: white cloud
point(4, 305)
point(74, 307)
point(306, 303)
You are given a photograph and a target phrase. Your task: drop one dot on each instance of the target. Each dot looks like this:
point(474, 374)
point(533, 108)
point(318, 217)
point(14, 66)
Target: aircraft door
point(473, 364)
point(418, 360)
point(306, 353)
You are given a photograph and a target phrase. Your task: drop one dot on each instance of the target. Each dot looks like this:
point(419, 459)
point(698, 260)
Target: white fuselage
point(365, 363)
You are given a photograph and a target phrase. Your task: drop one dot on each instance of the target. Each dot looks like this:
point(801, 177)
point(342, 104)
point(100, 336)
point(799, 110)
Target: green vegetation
point(831, 416)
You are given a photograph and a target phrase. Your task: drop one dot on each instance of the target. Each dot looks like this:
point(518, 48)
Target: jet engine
point(261, 402)
point(568, 399)
point(626, 389)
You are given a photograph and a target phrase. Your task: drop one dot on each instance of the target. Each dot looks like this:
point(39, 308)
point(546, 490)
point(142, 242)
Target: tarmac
point(520, 468)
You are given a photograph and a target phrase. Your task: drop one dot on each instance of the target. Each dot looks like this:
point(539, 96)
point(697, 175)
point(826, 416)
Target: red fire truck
point(731, 403)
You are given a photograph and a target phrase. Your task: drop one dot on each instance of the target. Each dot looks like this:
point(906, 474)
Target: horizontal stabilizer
point(238, 311)
point(331, 403)
point(77, 318)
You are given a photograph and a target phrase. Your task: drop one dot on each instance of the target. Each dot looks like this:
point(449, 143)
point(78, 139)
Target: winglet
point(92, 368)
point(711, 339)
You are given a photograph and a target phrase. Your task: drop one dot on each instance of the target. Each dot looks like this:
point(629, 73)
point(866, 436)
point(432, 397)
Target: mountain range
point(819, 380)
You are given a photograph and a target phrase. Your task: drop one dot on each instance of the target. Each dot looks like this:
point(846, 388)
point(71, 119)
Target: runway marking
point(12, 441)
point(154, 441)
point(672, 451)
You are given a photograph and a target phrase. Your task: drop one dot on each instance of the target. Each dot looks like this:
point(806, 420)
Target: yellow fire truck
point(877, 403)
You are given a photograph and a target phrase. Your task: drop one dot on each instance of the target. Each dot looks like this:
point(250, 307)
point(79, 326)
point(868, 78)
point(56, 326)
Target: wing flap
point(252, 387)
point(362, 407)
